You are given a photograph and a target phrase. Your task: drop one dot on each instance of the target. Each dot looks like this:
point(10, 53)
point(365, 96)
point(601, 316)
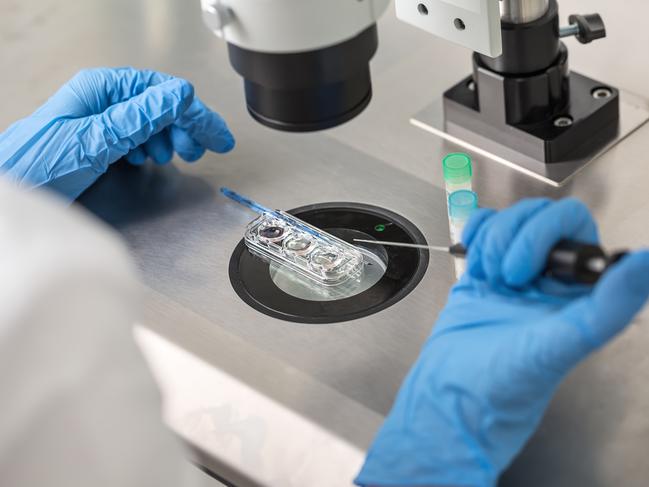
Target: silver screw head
point(562, 122)
point(602, 93)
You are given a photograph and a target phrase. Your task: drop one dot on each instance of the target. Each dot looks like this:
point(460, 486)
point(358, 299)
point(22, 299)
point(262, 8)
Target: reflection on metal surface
point(522, 11)
point(256, 437)
point(634, 113)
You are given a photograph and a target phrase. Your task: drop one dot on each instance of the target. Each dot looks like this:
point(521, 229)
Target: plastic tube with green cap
point(458, 172)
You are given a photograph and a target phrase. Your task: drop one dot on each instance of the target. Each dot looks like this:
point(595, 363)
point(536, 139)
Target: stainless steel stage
point(267, 402)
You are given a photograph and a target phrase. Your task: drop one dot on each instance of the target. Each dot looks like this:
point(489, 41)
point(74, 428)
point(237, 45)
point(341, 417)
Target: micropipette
point(570, 262)
point(455, 250)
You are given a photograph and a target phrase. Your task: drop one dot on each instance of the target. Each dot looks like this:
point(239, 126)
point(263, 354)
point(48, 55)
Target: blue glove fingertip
point(137, 156)
point(217, 136)
point(159, 148)
point(228, 145)
point(186, 147)
point(206, 127)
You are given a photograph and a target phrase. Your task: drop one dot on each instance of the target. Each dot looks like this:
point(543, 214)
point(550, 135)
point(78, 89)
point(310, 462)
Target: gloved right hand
point(104, 114)
point(501, 346)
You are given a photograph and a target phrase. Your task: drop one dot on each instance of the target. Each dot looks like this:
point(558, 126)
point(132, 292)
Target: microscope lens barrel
point(523, 11)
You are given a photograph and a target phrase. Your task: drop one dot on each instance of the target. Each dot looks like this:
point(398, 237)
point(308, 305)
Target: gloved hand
point(505, 340)
point(101, 115)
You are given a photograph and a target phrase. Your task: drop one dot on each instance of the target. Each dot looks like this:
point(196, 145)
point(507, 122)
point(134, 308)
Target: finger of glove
point(137, 156)
point(592, 321)
point(91, 91)
point(159, 148)
point(122, 127)
point(527, 254)
point(186, 147)
point(206, 127)
point(474, 224)
point(474, 255)
point(126, 82)
point(501, 231)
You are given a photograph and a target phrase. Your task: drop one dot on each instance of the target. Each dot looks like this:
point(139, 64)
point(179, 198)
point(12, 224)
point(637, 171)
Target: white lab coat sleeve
point(78, 406)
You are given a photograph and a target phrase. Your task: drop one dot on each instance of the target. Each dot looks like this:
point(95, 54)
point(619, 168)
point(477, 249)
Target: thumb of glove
point(592, 321)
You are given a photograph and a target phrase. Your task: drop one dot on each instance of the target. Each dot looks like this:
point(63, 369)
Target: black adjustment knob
point(591, 27)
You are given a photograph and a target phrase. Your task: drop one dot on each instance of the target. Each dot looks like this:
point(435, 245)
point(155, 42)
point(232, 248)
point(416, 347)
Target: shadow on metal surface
point(127, 194)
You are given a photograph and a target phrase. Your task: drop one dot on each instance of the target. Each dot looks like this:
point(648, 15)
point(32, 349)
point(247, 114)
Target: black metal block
point(585, 123)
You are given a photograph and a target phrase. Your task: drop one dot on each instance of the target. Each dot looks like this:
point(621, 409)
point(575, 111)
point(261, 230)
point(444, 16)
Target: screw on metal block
point(562, 122)
point(601, 93)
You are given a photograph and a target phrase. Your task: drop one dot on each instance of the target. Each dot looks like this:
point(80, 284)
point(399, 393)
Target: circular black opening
point(459, 24)
point(422, 9)
point(251, 278)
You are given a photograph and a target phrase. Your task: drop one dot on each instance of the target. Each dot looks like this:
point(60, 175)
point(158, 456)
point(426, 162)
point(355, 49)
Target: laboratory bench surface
point(267, 402)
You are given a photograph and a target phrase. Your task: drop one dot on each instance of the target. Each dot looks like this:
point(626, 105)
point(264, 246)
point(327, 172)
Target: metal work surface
point(271, 402)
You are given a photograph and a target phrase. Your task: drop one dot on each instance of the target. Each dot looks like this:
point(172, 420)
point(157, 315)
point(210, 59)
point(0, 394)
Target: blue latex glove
point(505, 340)
point(104, 114)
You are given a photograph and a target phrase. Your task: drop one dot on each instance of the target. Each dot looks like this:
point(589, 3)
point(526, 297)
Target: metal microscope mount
point(527, 99)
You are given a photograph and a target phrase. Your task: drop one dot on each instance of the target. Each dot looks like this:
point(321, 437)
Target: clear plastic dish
point(305, 249)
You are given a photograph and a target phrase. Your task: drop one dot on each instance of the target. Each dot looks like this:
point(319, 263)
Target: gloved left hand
point(102, 115)
point(501, 346)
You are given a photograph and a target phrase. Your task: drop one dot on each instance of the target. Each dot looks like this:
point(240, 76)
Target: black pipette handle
point(571, 262)
point(579, 263)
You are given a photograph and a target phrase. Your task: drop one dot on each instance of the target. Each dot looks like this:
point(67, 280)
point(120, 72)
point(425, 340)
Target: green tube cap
point(457, 168)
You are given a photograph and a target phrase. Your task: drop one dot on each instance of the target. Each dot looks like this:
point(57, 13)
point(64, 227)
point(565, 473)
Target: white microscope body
point(305, 63)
